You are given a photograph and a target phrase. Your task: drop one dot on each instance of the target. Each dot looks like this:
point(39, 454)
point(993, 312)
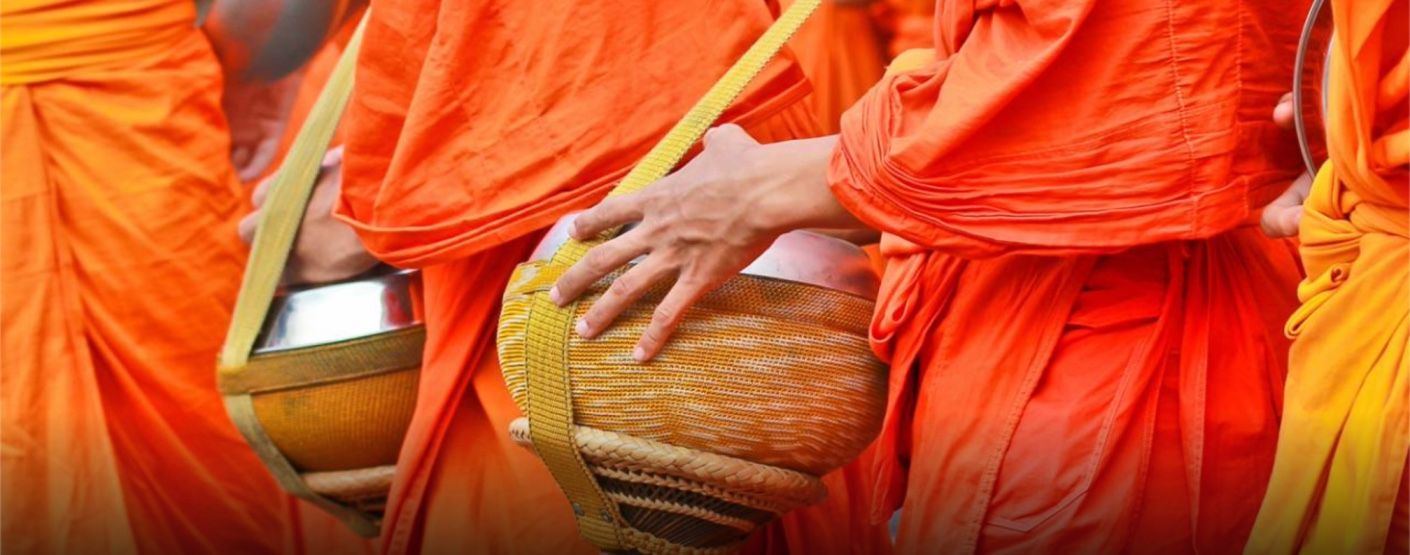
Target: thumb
point(261, 191)
point(247, 227)
point(1283, 112)
point(727, 135)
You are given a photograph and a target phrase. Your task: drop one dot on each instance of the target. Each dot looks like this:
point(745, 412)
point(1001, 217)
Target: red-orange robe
point(1083, 318)
point(119, 264)
point(475, 126)
point(840, 51)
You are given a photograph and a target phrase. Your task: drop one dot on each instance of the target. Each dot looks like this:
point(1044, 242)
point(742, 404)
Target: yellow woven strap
point(283, 209)
point(549, 398)
point(279, 223)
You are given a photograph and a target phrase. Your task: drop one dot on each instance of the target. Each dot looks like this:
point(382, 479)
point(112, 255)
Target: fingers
point(1281, 221)
point(668, 317)
point(1283, 112)
point(624, 292)
point(261, 192)
point(247, 227)
point(1282, 217)
point(334, 157)
point(610, 213)
point(600, 261)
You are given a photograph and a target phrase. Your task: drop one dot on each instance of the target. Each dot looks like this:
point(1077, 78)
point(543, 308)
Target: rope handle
point(1304, 42)
point(283, 210)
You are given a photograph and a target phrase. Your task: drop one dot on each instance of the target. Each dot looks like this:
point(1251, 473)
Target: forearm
point(797, 196)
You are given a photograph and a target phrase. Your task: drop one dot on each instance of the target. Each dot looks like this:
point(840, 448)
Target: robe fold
point(119, 264)
point(907, 24)
point(840, 52)
point(1339, 482)
point(476, 125)
point(1083, 320)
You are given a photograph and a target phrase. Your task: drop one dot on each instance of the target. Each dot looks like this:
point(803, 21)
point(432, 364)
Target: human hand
point(1282, 216)
point(326, 249)
point(700, 226)
point(257, 113)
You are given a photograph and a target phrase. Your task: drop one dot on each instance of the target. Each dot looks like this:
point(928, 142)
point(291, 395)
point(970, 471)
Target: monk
point(120, 265)
point(1340, 480)
point(474, 126)
point(1081, 314)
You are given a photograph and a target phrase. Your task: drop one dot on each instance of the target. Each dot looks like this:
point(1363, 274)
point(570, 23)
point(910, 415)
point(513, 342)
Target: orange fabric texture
point(1346, 435)
point(120, 265)
point(1084, 329)
point(840, 51)
point(474, 126)
point(907, 24)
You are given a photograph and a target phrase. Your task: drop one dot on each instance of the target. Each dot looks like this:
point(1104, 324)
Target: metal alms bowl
point(382, 301)
point(332, 383)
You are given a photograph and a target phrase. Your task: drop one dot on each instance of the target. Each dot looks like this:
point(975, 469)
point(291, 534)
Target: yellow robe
point(1346, 430)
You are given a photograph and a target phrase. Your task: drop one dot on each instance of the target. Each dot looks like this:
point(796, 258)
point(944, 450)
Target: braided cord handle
point(549, 402)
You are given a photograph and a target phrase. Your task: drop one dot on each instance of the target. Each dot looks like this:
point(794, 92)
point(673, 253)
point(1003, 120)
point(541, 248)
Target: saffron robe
point(1339, 483)
point(473, 127)
point(840, 51)
point(119, 264)
point(1082, 317)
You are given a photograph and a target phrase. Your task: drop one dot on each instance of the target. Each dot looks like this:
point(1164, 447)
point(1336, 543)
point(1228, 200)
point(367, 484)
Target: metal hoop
point(1304, 144)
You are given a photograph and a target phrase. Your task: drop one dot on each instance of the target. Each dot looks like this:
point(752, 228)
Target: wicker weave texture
point(763, 370)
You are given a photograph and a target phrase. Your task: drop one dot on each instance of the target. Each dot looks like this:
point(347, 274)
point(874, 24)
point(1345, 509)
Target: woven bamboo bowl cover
point(768, 384)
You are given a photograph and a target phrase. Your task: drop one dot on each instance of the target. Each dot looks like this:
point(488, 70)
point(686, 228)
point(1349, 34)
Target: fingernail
point(554, 296)
point(582, 328)
point(639, 354)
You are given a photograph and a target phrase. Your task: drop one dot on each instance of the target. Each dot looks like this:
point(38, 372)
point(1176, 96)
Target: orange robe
point(840, 51)
point(1339, 483)
point(1082, 316)
point(907, 24)
point(475, 126)
point(119, 264)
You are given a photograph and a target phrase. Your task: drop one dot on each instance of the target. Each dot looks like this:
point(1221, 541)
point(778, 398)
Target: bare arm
point(701, 225)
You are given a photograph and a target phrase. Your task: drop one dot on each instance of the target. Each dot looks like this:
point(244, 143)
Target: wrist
point(793, 191)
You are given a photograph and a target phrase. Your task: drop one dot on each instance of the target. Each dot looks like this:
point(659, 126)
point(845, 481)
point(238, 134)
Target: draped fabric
point(840, 52)
point(119, 264)
point(907, 24)
point(473, 127)
point(1083, 325)
point(1342, 451)
point(474, 96)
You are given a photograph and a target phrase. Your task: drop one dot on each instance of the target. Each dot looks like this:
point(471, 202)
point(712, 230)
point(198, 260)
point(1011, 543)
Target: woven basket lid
point(768, 384)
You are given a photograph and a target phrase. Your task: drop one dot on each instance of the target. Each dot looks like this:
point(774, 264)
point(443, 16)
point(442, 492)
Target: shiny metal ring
point(381, 301)
point(1299, 120)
